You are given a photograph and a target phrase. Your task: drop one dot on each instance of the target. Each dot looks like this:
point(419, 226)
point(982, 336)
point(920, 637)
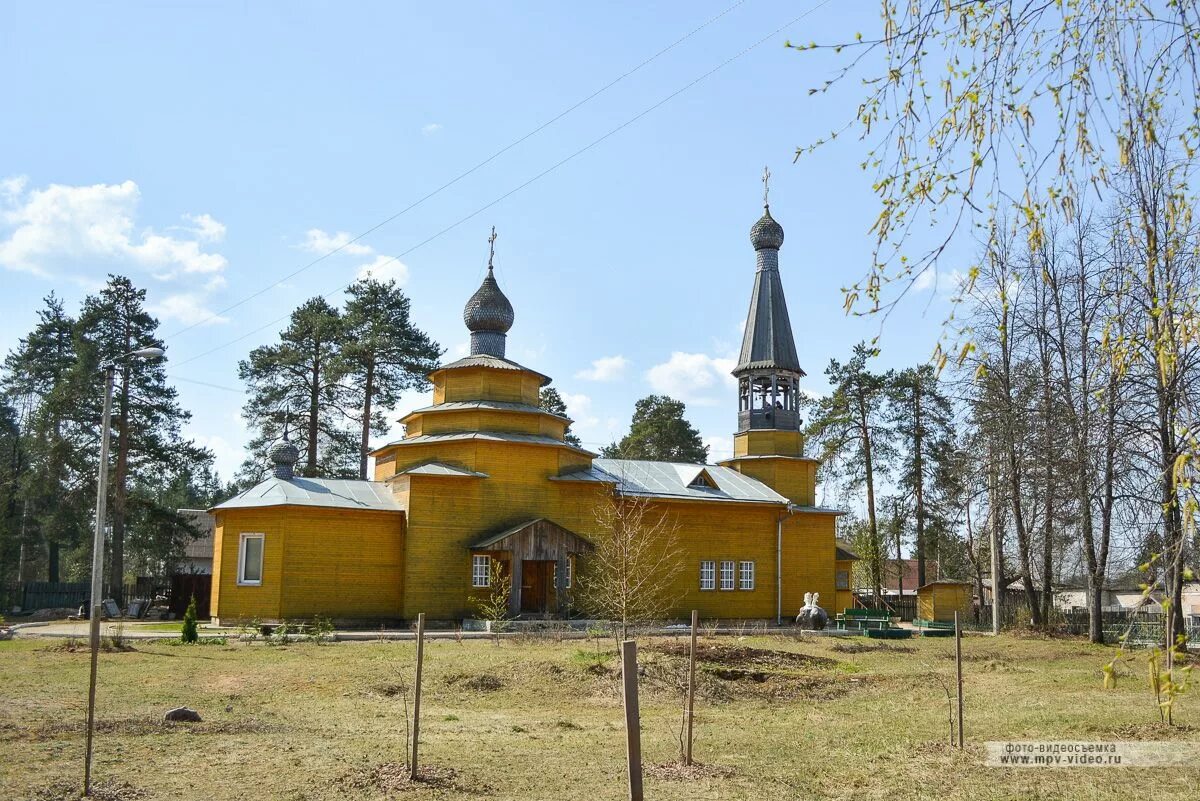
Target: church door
point(535, 583)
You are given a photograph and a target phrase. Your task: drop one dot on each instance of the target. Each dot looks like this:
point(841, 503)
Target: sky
point(216, 151)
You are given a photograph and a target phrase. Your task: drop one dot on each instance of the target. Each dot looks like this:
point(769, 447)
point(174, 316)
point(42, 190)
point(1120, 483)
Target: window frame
point(742, 574)
point(243, 538)
point(712, 575)
point(484, 581)
point(732, 565)
point(569, 571)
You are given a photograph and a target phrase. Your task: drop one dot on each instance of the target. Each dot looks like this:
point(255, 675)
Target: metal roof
point(676, 480)
point(493, 362)
point(504, 406)
point(331, 493)
point(767, 343)
point(487, 436)
point(440, 469)
point(201, 547)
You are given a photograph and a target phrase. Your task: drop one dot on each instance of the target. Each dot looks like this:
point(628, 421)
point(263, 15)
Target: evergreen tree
point(37, 383)
point(660, 433)
point(300, 379)
point(146, 417)
point(10, 470)
point(551, 401)
point(382, 355)
point(922, 418)
point(855, 440)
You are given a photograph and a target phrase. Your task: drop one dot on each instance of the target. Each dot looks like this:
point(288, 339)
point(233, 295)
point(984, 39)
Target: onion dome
point(488, 309)
point(488, 314)
point(283, 456)
point(766, 234)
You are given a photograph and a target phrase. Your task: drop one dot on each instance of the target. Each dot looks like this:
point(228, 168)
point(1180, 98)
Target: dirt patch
point(393, 777)
point(101, 791)
point(482, 682)
point(132, 727)
point(675, 772)
point(862, 648)
point(389, 689)
point(1147, 731)
point(81, 646)
point(744, 657)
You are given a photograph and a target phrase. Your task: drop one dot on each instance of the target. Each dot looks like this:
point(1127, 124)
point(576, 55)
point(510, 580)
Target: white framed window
point(708, 575)
point(250, 560)
point(746, 576)
point(727, 574)
point(842, 580)
point(481, 570)
point(567, 577)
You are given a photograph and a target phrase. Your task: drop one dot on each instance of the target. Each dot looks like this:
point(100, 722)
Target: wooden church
point(483, 475)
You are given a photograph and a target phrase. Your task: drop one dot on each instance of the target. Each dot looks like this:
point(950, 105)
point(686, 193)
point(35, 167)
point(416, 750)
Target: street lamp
point(109, 368)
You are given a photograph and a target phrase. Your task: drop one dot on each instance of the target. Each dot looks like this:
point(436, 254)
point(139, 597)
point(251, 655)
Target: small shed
point(939, 600)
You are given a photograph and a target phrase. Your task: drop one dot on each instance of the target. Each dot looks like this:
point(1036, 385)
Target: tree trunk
point(364, 442)
point(873, 522)
point(919, 484)
point(314, 411)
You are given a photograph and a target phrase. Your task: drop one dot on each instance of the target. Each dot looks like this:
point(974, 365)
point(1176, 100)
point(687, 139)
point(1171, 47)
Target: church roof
point(331, 493)
point(440, 469)
point(489, 436)
point(493, 362)
point(676, 480)
point(767, 343)
point(506, 406)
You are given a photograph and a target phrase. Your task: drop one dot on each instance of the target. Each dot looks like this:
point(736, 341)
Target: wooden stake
point(691, 691)
point(633, 724)
point(958, 663)
point(416, 732)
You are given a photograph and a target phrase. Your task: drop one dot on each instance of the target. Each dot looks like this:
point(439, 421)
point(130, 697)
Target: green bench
point(934, 628)
point(864, 620)
point(889, 634)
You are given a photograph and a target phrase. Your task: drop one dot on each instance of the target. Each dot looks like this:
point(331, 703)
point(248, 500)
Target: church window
point(746, 576)
point(250, 559)
point(566, 576)
point(842, 580)
point(727, 575)
point(708, 575)
point(481, 570)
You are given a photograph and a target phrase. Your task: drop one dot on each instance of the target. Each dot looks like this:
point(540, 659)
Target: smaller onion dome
point(766, 234)
point(488, 309)
point(283, 456)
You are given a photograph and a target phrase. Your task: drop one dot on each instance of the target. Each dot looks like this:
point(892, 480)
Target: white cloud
point(925, 280)
point(719, 448)
point(460, 349)
point(61, 225)
point(384, 268)
point(322, 242)
point(606, 368)
point(205, 227)
point(189, 308)
point(431, 129)
point(695, 378)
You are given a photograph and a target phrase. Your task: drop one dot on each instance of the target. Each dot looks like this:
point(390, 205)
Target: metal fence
point(1138, 626)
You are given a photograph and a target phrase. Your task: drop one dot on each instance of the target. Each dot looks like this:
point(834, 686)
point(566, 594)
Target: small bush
point(191, 631)
point(320, 630)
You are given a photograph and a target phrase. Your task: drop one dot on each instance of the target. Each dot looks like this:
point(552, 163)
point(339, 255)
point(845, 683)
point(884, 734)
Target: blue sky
point(210, 149)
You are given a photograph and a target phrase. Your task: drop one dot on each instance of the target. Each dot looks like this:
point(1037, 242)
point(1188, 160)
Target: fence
point(33, 595)
point(1140, 627)
point(904, 607)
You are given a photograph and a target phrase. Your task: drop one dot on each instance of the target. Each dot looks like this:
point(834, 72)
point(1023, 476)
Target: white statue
point(812, 616)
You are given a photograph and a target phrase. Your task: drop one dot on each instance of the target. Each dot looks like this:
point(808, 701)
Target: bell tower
point(768, 444)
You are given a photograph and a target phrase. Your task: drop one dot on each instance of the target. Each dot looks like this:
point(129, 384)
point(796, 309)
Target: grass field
point(777, 718)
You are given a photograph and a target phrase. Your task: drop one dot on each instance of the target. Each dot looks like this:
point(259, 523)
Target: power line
point(534, 179)
point(460, 176)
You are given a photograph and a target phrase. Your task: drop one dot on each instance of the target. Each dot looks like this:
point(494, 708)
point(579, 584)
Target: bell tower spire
point(768, 370)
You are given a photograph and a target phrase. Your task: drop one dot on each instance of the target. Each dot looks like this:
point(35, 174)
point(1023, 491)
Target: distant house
point(198, 553)
point(905, 569)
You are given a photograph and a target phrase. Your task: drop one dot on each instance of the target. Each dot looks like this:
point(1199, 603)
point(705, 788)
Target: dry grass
point(777, 718)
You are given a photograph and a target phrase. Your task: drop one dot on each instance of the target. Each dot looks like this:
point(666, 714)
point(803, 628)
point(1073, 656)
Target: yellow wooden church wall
point(794, 479)
point(340, 563)
point(487, 420)
point(484, 383)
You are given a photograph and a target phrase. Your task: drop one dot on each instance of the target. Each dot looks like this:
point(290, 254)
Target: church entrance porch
point(540, 557)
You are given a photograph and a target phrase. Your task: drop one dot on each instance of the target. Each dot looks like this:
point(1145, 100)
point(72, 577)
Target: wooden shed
point(939, 600)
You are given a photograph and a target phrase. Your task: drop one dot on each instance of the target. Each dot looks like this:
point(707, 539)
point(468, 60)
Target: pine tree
point(922, 418)
point(300, 379)
point(855, 440)
point(37, 383)
point(551, 401)
point(659, 432)
point(146, 417)
point(190, 632)
point(10, 468)
point(382, 354)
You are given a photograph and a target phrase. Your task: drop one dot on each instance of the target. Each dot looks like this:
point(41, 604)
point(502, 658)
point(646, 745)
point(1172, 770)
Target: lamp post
point(109, 368)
